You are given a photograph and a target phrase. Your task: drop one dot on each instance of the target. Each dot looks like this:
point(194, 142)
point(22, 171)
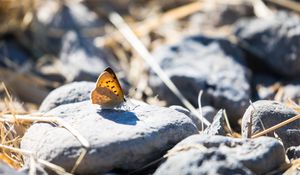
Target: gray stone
point(39, 170)
point(80, 59)
point(269, 113)
point(195, 162)
point(218, 126)
point(54, 19)
point(225, 14)
point(213, 65)
point(6, 170)
point(291, 92)
point(260, 155)
point(120, 139)
point(12, 54)
point(293, 152)
point(69, 93)
point(209, 113)
point(265, 86)
point(274, 41)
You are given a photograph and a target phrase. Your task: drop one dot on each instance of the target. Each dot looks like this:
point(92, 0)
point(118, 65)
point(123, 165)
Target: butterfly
point(108, 92)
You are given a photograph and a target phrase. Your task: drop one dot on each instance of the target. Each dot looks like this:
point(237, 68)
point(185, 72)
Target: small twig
point(200, 109)
point(250, 123)
point(261, 122)
point(292, 5)
point(50, 165)
point(143, 28)
point(83, 152)
point(261, 10)
point(59, 121)
point(227, 121)
point(32, 166)
point(139, 47)
point(276, 126)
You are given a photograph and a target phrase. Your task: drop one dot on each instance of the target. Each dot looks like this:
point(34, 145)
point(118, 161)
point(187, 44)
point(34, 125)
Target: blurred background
point(47, 43)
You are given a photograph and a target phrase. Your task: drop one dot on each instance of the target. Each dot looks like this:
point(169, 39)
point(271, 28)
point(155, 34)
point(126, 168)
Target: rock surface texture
point(119, 139)
point(69, 93)
point(225, 155)
point(275, 41)
point(266, 114)
point(212, 65)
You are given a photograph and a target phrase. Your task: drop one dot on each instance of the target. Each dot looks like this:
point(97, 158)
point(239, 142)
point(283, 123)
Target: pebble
point(218, 126)
point(208, 112)
point(274, 41)
point(12, 53)
point(293, 152)
point(6, 170)
point(270, 113)
point(52, 16)
point(80, 59)
point(69, 93)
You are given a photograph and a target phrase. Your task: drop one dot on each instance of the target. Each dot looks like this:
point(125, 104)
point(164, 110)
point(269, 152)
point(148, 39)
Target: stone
point(6, 170)
point(195, 162)
point(80, 59)
point(270, 113)
point(290, 91)
point(265, 86)
point(213, 65)
point(122, 138)
point(54, 19)
point(207, 112)
point(69, 93)
point(274, 41)
point(12, 54)
point(260, 155)
point(39, 170)
point(293, 152)
point(218, 126)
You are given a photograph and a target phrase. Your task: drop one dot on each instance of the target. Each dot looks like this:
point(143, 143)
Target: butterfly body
point(108, 92)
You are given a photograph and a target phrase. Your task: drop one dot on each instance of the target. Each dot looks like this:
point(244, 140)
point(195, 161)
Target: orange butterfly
point(108, 92)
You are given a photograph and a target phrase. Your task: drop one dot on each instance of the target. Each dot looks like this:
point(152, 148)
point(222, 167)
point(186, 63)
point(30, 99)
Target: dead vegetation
point(24, 87)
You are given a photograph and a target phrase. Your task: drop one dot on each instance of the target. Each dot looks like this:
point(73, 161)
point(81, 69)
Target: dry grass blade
point(52, 166)
point(169, 16)
point(292, 5)
point(83, 152)
point(261, 10)
point(266, 131)
point(293, 168)
point(227, 122)
point(59, 121)
point(200, 109)
point(139, 47)
point(143, 28)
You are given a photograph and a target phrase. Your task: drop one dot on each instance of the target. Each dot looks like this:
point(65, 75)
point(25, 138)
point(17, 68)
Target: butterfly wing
point(108, 92)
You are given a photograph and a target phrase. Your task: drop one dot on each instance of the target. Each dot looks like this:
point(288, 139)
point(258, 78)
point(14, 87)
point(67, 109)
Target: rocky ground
point(243, 56)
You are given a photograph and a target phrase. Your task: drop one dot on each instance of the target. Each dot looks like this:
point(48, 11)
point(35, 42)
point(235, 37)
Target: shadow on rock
point(119, 116)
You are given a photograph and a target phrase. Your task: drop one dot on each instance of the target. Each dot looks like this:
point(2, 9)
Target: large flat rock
point(119, 139)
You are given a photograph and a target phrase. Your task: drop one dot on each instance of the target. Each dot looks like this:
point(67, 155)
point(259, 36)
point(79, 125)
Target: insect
point(108, 92)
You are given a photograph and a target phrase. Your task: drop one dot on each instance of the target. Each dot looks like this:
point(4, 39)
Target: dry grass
point(147, 34)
